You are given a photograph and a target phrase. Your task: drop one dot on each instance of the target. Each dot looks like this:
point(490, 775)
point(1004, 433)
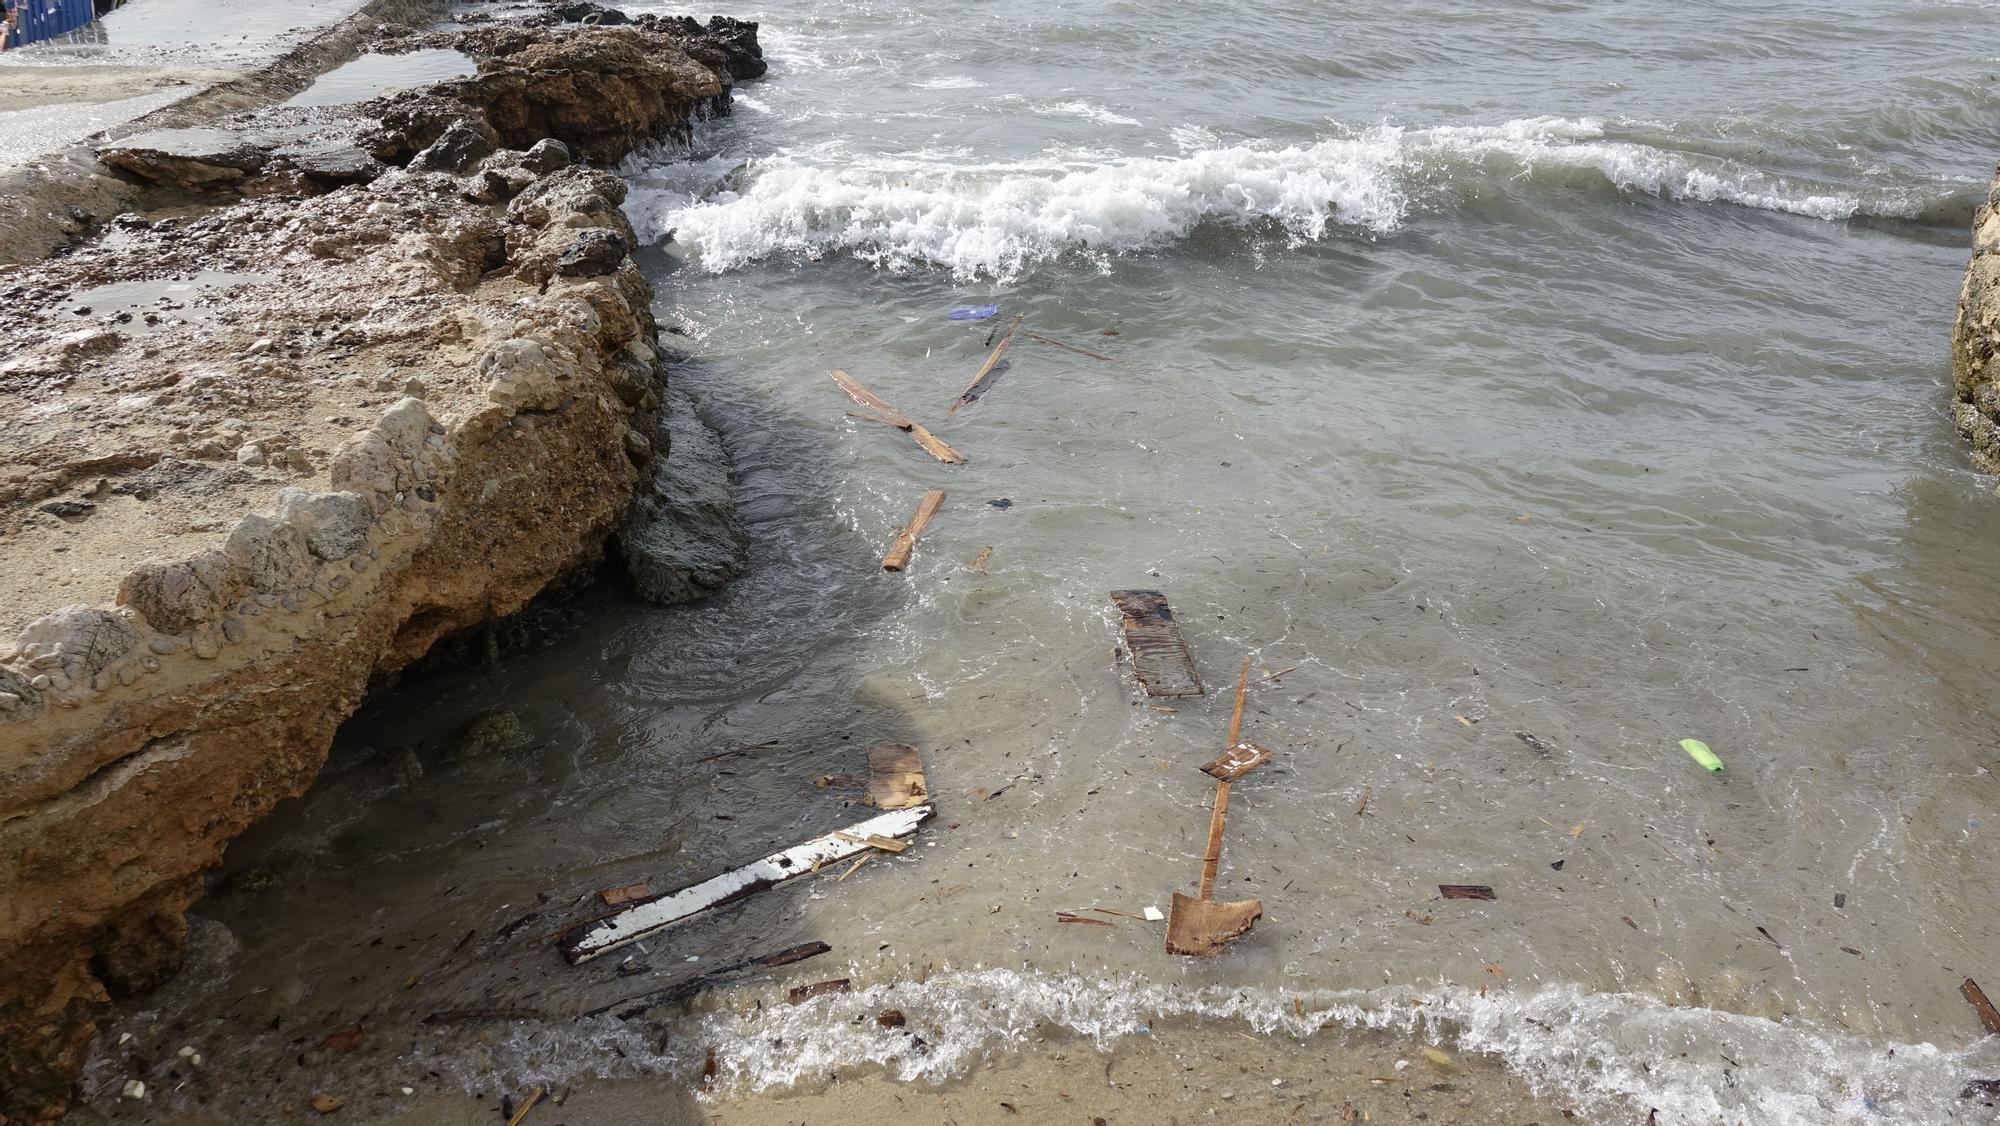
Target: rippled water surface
point(1576, 370)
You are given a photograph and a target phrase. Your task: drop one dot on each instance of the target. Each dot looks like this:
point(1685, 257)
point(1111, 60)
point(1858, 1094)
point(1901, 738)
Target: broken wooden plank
point(1976, 997)
point(1160, 655)
point(978, 564)
point(886, 844)
point(1466, 891)
point(1235, 762)
point(883, 412)
point(1040, 339)
point(895, 776)
point(620, 896)
point(806, 992)
point(1070, 917)
point(588, 940)
point(977, 387)
point(630, 1007)
point(906, 540)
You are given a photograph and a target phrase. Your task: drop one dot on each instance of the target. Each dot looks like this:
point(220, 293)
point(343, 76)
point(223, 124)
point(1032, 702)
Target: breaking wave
point(1603, 1052)
point(999, 220)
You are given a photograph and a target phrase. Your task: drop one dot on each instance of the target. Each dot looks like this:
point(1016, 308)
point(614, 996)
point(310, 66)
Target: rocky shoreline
point(334, 386)
point(1975, 338)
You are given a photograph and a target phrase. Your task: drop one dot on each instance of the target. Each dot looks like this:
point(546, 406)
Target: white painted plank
point(648, 916)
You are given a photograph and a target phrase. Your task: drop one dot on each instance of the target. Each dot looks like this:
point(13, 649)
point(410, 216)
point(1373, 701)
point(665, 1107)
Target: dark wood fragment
point(806, 992)
point(1160, 655)
point(689, 986)
point(1235, 762)
point(1988, 1016)
point(1466, 891)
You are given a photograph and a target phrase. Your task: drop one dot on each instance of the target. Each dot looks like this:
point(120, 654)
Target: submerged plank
point(883, 412)
point(1159, 654)
point(587, 940)
point(977, 387)
point(1235, 762)
point(906, 540)
point(895, 776)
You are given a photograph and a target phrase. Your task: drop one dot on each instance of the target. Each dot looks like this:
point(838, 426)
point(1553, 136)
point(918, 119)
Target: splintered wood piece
point(620, 896)
point(883, 412)
point(886, 844)
point(1160, 655)
point(807, 992)
point(1988, 1016)
point(1466, 891)
point(595, 937)
point(978, 563)
point(906, 540)
point(977, 387)
point(895, 776)
point(1202, 927)
point(1236, 712)
point(1235, 762)
point(1212, 858)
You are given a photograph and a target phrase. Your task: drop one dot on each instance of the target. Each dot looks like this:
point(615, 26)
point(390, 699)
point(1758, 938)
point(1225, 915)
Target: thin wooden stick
point(1040, 339)
point(906, 540)
point(985, 369)
point(1213, 857)
point(883, 412)
point(534, 1097)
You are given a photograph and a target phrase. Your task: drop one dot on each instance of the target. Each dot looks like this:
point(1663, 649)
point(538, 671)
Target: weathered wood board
point(1160, 655)
point(1235, 762)
point(589, 939)
point(977, 387)
point(895, 776)
point(882, 412)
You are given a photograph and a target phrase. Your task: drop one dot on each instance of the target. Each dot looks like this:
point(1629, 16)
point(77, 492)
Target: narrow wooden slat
point(588, 940)
point(1976, 997)
point(906, 540)
point(1040, 339)
point(883, 412)
point(1160, 655)
point(1213, 858)
point(974, 390)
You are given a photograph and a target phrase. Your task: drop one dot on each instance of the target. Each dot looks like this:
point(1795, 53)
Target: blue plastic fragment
point(973, 312)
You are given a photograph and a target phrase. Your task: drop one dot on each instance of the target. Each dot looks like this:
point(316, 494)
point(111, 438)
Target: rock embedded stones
point(177, 597)
point(594, 253)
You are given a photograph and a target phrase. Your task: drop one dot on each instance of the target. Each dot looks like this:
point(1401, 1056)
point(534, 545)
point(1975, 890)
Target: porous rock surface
point(1975, 338)
point(259, 456)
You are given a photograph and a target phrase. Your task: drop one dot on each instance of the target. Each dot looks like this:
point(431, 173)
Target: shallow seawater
point(374, 74)
point(1570, 372)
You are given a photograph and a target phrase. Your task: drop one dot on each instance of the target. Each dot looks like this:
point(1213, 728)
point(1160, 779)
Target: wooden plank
point(976, 388)
point(906, 540)
point(590, 939)
point(1160, 655)
point(978, 563)
point(620, 896)
point(886, 844)
point(688, 986)
point(1976, 997)
point(895, 776)
point(883, 412)
point(1213, 857)
point(807, 992)
point(1235, 762)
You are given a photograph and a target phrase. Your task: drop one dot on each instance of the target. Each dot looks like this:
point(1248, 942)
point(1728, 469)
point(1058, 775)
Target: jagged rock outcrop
point(1975, 338)
point(684, 539)
point(379, 414)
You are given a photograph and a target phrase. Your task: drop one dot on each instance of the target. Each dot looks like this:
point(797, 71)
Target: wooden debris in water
point(1069, 917)
point(1160, 655)
point(1988, 1016)
point(906, 540)
point(977, 387)
point(473, 1016)
point(1466, 891)
point(527, 1105)
point(1040, 339)
point(895, 776)
point(884, 413)
point(620, 896)
point(588, 940)
point(1235, 762)
point(978, 564)
point(694, 983)
point(1202, 927)
point(1534, 744)
point(807, 992)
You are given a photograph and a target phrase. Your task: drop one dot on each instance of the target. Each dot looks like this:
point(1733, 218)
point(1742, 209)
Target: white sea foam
point(1087, 111)
point(998, 221)
point(1601, 1052)
point(949, 82)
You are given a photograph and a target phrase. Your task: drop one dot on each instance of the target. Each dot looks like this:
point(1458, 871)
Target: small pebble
point(133, 1089)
